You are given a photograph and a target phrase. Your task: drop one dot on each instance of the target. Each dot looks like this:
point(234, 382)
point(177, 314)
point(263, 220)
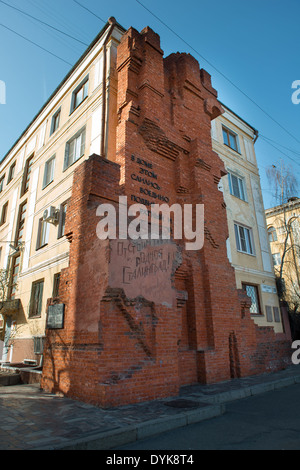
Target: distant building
point(284, 237)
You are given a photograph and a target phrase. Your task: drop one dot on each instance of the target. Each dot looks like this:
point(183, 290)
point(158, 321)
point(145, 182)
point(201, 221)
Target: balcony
point(10, 307)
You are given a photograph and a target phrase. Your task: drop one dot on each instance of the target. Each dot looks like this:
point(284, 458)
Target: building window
point(79, 94)
point(26, 175)
point(36, 298)
point(4, 213)
point(21, 223)
point(252, 292)
point(75, 148)
point(276, 259)
point(55, 122)
point(244, 239)
point(230, 139)
point(11, 172)
point(272, 234)
point(56, 280)
point(2, 183)
point(15, 268)
point(237, 186)
point(49, 171)
point(43, 234)
point(62, 220)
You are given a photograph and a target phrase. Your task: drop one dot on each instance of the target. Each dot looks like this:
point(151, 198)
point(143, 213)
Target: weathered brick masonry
point(128, 339)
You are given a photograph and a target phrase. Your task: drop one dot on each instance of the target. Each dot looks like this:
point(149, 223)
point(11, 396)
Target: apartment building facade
point(36, 182)
point(248, 248)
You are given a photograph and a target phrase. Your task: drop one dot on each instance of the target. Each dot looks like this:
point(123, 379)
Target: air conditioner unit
point(51, 215)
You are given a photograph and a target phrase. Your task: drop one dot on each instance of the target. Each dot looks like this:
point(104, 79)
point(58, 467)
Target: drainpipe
point(112, 22)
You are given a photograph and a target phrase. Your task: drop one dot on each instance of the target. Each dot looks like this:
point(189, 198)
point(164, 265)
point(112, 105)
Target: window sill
point(243, 200)
point(73, 110)
point(73, 163)
point(42, 246)
point(44, 187)
point(245, 253)
point(235, 151)
point(34, 317)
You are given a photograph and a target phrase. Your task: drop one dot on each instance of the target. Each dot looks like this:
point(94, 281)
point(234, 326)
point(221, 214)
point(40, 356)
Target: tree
point(285, 186)
point(283, 181)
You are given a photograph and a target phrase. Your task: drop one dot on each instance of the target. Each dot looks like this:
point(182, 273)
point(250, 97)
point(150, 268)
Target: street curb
point(130, 434)
point(215, 407)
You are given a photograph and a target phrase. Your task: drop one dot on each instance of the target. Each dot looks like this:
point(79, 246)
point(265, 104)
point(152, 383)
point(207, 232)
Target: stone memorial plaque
point(55, 317)
point(144, 268)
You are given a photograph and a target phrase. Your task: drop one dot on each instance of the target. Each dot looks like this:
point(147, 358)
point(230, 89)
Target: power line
point(272, 145)
point(49, 12)
point(43, 22)
point(37, 45)
point(280, 145)
point(221, 73)
point(90, 11)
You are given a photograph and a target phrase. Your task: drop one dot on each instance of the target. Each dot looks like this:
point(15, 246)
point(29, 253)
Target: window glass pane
point(235, 186)
point(74, 148)
point(252, 292)
point(248, 240)
point(49, 172)
point(243, 239)
point(241, 187)
point(78, 97)
point(238, 245)
point(36, 298)
point(225, 137)
point(232, 141)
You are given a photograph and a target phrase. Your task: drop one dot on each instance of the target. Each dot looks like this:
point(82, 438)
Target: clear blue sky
point(254, 44)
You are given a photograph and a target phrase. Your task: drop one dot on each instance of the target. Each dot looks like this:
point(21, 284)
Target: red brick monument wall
point(140, 320)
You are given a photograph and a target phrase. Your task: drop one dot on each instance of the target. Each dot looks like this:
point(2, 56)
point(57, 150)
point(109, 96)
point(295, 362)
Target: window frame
point(241, 186)
point(55, 121)
point(26, 175)
point(31, 313)
point(51, 159)
point(62, 219)
point(4, 213)
point(2, 181)
point(43, 231)
point(248, 239)
point(83, 85)
point(274, 259)
point(56, 281)
point(11, 172)
point(256, 287)
point(82, 134)
point(271, 232)
point(21, 222)
point(233, 134)
point(14, 273)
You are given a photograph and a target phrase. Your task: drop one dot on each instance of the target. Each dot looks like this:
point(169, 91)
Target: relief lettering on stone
point(144, 268)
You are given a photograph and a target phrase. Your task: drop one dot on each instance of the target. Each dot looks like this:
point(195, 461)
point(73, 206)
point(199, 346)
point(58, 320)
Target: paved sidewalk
point(33, 419)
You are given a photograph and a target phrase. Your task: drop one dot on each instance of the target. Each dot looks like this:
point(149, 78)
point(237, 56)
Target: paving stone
point(32, 419)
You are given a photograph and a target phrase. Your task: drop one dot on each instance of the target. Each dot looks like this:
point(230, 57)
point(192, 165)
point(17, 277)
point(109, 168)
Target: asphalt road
point(270, 421)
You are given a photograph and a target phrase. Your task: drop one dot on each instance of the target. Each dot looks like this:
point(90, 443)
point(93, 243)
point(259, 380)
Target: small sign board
point(269, 289)
point(55, 317)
